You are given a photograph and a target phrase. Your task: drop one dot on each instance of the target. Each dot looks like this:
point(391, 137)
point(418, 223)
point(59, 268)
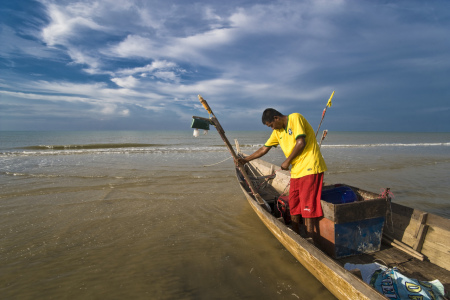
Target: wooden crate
point(352, 228)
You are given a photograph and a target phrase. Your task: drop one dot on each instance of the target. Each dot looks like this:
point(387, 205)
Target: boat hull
point(340, 282)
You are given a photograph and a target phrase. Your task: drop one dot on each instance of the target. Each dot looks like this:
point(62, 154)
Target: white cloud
point(66, 88)
point(34, 96)
point(126, 82)
point(210, 14)
point(65, 22)
point(150, 68)
point(155, 108)
point(125, 112)
point(166, 75)
point(212, 38)
point(135, 45)
point(82, 58)
point(147, 19)
point(107, 108)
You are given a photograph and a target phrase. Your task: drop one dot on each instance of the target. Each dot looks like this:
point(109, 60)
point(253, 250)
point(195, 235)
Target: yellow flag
point(329, 100)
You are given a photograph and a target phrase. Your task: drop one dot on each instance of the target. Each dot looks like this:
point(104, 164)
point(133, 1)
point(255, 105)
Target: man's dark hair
point(269, 114)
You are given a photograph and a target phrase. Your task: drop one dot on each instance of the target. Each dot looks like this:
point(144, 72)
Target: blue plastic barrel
point(339, 195)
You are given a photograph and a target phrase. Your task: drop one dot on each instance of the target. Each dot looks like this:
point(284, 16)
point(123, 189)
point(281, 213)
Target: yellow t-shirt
point(310, 161)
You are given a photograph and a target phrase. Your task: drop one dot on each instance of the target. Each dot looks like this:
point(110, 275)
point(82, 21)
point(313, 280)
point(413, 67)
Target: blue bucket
point(339, 195)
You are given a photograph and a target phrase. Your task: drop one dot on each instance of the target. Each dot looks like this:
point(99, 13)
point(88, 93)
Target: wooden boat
point(418, 243)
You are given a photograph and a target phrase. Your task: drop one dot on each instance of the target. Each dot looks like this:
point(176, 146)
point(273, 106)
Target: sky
point(139, 65)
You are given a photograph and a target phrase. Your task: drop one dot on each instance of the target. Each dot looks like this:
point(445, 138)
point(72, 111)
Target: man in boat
point(297, 139)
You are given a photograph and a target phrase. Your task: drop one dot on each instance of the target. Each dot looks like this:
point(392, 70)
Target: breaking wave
point(106, 149)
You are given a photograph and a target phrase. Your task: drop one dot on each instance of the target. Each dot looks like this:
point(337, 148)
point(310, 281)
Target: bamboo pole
point(213, 120)
point(324, 112)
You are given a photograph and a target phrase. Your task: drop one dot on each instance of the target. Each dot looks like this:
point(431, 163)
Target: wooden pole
point(324, 134)
point(221, 132)
point(324, 112)
point(321, 120)
point(402, 246)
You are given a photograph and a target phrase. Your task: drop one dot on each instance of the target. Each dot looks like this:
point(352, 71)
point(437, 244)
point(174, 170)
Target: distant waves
point(46, 150)
point(89, 146)
point(127, 148)
point(387, 145)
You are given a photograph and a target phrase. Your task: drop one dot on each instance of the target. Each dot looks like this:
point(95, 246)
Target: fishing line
point(218, 162)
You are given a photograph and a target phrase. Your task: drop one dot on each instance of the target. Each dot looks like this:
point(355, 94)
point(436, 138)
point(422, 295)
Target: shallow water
point(145, 219)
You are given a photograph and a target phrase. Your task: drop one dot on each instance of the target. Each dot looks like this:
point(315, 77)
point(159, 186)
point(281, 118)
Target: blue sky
point(139, 65)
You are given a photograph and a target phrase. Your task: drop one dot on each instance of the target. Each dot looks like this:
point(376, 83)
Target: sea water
point(160, 215)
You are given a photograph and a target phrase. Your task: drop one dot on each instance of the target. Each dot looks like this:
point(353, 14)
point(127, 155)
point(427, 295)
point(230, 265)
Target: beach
point(154, 215)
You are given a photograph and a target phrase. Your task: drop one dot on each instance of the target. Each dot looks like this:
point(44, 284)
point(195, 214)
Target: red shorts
point(304, 196)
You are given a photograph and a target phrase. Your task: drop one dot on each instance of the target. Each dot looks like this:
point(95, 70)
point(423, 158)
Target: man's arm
point(298, 149)
point(257, 154)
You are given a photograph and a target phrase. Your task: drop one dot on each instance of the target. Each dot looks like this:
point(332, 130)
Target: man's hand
point(298, 149)
point(242, 161)
point(285, 166)
point(257, 154)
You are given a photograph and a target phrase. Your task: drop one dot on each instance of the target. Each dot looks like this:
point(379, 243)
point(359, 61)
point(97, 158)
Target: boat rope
point(256, 181)
point(287, 186)
point(266, 178)
point(262, 185)
point(218, 162)
point(387, 194)
point(266, 181)
point(253, 173)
